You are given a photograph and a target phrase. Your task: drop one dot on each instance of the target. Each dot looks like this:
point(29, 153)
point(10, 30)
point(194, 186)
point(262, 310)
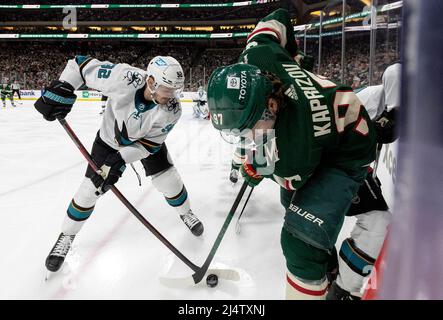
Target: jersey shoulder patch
point(133, 77)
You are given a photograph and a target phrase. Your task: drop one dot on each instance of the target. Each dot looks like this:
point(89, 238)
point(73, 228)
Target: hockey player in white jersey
point(141, 110)
point(201, 104)
point(358, 253)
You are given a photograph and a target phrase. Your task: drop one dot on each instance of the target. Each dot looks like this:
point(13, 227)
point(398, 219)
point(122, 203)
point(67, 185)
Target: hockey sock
point(170, 184)
point(80, 208)
point(299, 289)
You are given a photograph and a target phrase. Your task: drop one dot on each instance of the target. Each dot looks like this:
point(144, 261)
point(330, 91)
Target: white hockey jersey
point(373, 99)
point(131, 124)
point(386, 96)
point(202, 96)
point(391, 84)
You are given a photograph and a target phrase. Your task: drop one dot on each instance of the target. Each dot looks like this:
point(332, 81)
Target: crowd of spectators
point(144, 14)
point(132, 30)
point(58, 2)
point(35, 64)
point(357, 57)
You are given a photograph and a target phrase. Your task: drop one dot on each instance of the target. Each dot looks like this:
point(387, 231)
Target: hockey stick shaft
point(125, 202)
point(377, 159)
point(244, 206)
point(199, 274)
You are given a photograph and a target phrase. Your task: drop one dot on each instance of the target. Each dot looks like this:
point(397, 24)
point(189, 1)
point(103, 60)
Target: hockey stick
point(225, 273)
point(122, 198)
point(199, 272)
point(237, 226)
point(377, 158)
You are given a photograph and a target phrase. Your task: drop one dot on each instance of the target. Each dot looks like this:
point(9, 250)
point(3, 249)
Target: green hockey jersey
point(322, 124)
point(6, 89)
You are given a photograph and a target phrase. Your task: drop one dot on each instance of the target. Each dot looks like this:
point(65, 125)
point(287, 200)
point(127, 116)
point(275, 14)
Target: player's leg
point(168, 181)
point(196, 111)
point(3, 100)
point(313, 220)
point(79, 209)
point(11, 98)
point(18, 95)
point(359, 252)
point(203, 109)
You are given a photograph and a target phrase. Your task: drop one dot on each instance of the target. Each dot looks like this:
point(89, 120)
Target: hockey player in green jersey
point(316, 139)
point(6, 92)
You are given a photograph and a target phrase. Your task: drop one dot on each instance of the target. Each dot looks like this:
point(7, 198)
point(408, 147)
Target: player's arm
point(305, 61)
point(385, 123)
point(142, 148)
point(104, 76)
point(58, 97)
point(385, 126)
point(115, 163)
point(276, 27)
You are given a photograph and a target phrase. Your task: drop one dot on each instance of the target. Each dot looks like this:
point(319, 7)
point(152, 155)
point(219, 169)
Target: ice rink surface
point(114, 255)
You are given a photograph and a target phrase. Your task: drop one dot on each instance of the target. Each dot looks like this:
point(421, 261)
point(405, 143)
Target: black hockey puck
point(212, 280)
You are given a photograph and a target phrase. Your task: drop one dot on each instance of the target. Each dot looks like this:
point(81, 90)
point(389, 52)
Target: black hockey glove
point(109, 173)
point(307, 63)
point(385, 127)
point(56, 101)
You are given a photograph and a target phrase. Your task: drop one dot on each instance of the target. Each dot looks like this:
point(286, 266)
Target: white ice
point(115, 256)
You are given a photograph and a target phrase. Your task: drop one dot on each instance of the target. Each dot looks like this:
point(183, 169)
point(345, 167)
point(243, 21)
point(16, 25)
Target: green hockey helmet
point(237, 96)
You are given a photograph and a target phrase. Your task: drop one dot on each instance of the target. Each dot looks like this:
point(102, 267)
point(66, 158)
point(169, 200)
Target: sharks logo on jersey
point(133, 78)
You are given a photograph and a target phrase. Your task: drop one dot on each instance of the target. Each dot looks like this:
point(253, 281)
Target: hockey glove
point(385, 127)
point(250, 175)
point(109, 173)
point(56, 101)
point(305, 61)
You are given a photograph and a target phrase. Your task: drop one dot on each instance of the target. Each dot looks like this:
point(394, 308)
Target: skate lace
point(190, 219)
point(62, 246)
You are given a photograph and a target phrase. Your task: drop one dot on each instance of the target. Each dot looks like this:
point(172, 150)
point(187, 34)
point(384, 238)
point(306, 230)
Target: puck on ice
point(212, 280)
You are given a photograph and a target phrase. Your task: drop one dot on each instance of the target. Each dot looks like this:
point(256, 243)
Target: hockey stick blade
point(225, 274)
point(200, 273)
